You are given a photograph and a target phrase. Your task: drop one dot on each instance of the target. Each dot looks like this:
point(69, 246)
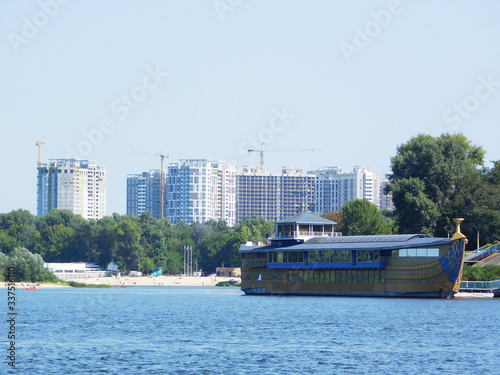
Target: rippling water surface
point(180, 330)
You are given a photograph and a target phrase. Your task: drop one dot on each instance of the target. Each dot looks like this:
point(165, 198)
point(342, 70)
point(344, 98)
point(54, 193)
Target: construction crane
point(261, 153)
point(39, 143)
point(162, 176)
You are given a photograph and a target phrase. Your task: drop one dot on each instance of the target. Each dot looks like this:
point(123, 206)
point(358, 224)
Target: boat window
point(249, 276)
point(306, 276)
point(349, 276)
point(332, 276)
point(280, 257)
point(420, 252)
point(316, 276)
point(300, 256)
point(321, 276)
point(432, 252)
point(301, 276)
point(327, 276)
point(275, 276)
point(354, 276)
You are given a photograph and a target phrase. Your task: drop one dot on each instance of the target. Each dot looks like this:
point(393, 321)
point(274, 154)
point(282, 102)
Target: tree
point(361, 217)
point(337, 217)
point(28, 266)
point(128, 247)
point(418, 214)
point(147, 265)
point(446, 166)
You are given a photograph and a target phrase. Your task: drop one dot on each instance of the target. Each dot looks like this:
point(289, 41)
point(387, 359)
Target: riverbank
point(135, 281)
point(157, 281)
point(22, 285)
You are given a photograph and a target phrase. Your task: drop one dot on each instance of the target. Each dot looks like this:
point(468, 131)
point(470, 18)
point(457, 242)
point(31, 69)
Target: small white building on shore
point(78, 270)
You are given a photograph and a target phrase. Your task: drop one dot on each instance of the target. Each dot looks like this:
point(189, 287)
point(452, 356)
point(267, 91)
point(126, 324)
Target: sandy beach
point(157, 281)
point(138, 281)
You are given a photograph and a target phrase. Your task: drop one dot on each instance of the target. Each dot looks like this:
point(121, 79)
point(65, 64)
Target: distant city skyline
point(352, 80)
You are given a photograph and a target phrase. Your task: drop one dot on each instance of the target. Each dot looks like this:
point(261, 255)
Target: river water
point(187, 330)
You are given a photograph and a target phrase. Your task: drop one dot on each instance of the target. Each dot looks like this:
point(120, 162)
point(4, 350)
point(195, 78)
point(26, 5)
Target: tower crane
point(162, 175)
point(261, 153)
point(39, 143)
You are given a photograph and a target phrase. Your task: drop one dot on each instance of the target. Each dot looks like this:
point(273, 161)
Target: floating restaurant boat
point(306, 257)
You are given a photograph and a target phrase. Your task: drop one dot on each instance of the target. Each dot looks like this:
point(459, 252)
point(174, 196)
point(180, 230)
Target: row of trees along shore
point(433, 180)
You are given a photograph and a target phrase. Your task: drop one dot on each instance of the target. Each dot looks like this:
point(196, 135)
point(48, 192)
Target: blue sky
point(209, 79)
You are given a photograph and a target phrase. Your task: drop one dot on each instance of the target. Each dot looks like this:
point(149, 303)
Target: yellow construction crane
point(162, 176)
point(39, 143)
point(261, 153)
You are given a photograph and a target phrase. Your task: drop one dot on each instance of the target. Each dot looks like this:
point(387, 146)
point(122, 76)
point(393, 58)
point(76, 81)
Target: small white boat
point(473, 295)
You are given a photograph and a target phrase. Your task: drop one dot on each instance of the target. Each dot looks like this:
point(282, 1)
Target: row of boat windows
point(342, 256)
point(328, 276)
point(339, 256)
point(421, 252)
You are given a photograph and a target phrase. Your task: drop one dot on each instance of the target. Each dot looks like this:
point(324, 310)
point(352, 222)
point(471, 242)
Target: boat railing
point(480, 284)
point(481, 254)
point(280, 235)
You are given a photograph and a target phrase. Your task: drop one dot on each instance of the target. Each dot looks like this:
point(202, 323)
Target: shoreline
point(135, 281)
point(156, 281)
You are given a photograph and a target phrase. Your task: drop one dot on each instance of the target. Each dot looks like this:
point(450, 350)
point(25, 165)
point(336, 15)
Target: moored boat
point(306, 257)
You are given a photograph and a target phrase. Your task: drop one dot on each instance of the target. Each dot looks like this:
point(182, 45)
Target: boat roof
point(306, 218)
point(382, 242)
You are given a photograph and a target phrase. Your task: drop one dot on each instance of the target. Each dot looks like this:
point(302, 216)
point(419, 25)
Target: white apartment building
point(334, 188)
point(76, 185)
point(198, 190)
point(273, 196)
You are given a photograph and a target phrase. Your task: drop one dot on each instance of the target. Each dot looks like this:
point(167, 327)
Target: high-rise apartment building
point(273, 196)
point(335, 188)
point(76, 185)
point(144, 193)
point(198, 190)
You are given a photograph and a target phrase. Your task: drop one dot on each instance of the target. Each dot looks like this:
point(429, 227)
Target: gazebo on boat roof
point(305, 225)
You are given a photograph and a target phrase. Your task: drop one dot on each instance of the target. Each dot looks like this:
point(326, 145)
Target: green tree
point(3, 266)
point(418, 214)
point(28, 266)
point(128, 248)
point(361, 217)
point(337, 217)
point(17, 217)
point(147, 265)
point(446, 166)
